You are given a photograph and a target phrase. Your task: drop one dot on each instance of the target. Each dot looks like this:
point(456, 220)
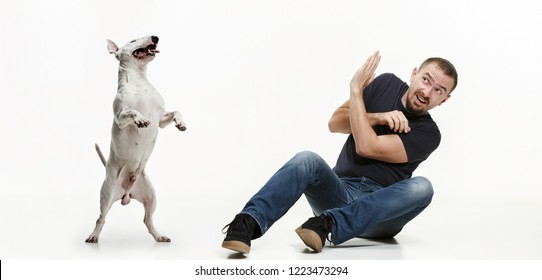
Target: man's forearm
point(340, 121)
point(360, 124)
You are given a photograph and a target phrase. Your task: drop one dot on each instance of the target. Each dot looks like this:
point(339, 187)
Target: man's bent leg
point(274, 199)
point(285, 187)
point(382, 213)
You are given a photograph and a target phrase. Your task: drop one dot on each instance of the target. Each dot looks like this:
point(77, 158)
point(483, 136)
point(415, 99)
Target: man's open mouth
point(421, 99)
point(150, 50)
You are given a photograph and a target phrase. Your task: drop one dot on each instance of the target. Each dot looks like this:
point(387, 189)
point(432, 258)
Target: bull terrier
point(139, 111)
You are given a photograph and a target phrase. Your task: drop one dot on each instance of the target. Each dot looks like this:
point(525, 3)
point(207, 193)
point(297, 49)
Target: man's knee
point(421, 186)
point(307, 162)
point(308, 158)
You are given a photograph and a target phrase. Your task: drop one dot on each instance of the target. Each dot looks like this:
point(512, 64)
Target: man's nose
point(426, 91)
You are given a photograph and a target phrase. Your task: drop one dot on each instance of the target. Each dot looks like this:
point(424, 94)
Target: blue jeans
point(360, 207)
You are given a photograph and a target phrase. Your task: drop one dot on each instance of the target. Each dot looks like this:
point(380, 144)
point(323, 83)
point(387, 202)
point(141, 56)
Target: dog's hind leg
point(107, 197)
point(143, 192)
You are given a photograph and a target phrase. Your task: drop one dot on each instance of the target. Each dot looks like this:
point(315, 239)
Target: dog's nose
point(154, 39)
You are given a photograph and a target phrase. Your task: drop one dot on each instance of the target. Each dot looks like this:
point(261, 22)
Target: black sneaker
point(315, 231)
point(240, 231)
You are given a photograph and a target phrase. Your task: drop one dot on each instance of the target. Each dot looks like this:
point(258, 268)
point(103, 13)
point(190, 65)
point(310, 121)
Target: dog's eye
point(132, 41)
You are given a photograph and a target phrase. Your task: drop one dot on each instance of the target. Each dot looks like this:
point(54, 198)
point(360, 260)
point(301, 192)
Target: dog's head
point(138, 51)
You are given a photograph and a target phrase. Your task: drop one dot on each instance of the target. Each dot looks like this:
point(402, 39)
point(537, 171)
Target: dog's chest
point(146, 100)
point(148, 103)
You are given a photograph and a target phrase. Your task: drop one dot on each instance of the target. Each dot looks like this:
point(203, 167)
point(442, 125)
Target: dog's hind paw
point(92, 239)
point(163, 239)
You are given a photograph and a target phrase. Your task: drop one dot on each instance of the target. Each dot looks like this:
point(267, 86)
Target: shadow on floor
point(365, 242)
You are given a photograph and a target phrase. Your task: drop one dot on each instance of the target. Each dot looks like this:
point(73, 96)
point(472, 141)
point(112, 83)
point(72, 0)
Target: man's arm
point(388, 148)
point(340, 120)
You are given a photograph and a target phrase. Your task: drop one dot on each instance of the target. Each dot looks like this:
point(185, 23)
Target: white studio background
point(256, 82)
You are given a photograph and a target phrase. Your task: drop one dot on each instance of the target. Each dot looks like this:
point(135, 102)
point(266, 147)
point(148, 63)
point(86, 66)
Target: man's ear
point(111, 46)
point(414, 72)
point(446, 98)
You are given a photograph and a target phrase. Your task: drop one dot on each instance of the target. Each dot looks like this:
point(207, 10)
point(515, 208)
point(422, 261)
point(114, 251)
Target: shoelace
point(227, 226)
point(238, 222)
point(327, 227)
point(329, 238)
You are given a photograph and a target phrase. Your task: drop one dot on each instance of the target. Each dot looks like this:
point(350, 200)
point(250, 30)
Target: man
point(371, 192)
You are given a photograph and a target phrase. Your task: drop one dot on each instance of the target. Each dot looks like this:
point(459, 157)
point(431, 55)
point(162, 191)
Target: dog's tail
point(102, 158)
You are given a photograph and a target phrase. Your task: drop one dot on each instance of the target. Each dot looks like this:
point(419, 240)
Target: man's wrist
point(356, 92)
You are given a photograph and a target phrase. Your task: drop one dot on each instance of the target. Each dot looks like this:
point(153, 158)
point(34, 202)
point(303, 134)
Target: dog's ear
point(111, 46)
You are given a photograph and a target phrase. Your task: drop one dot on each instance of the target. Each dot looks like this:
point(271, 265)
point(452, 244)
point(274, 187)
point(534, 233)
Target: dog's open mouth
point(150, 50)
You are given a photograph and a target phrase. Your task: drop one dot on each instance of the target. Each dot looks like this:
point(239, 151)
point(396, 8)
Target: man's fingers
point(374, 60)
point(397, 122)
point(366, 73)
point(403, 121)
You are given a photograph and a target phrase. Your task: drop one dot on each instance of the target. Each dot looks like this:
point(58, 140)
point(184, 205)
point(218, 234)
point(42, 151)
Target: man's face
point(429, 87)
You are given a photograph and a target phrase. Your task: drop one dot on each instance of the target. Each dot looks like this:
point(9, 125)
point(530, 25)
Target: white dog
point(139, 111)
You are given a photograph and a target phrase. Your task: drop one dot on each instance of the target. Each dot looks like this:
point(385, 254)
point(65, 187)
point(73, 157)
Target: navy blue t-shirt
point(383, 95)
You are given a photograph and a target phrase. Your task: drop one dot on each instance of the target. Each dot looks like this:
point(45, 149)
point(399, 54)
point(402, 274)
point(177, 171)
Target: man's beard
point(411, 109)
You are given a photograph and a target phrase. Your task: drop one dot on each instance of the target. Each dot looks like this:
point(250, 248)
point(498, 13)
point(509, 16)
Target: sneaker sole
point(237, 246)
point(310, 238)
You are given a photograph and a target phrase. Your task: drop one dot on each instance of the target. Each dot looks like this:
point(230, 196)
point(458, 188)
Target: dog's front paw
point(181, 126)
point(163, 239)
point(140, 122)
point(92, 239)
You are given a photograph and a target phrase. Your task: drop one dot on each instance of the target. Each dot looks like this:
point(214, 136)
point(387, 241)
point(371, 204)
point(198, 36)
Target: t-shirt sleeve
point(375, 94)
point(421, 141)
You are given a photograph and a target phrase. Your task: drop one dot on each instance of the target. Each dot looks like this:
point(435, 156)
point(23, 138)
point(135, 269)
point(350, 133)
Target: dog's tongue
point(152, 49)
